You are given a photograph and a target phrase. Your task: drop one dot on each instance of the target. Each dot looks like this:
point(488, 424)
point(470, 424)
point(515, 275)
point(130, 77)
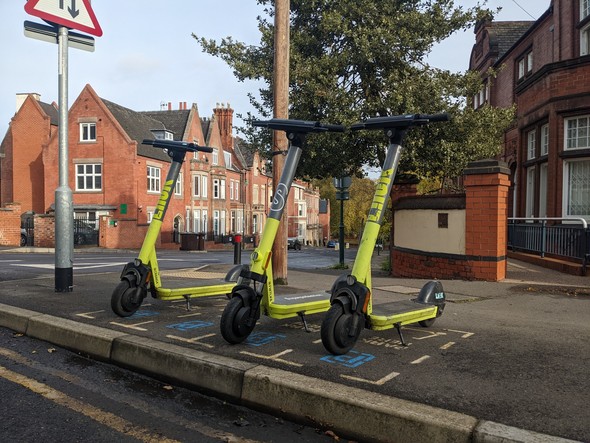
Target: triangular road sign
point(75, 14)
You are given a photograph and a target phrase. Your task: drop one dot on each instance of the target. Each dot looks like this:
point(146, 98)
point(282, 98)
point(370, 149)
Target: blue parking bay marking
point(351, 360)
point(263, 338)
point(143, 313)
point(188, 325)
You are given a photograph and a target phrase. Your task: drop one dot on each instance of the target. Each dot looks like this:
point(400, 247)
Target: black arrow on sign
point(73, 10)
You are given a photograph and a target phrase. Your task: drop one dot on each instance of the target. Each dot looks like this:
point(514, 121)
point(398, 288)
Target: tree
point(354, 59)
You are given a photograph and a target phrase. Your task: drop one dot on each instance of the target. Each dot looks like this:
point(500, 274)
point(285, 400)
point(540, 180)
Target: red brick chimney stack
point(224, 116)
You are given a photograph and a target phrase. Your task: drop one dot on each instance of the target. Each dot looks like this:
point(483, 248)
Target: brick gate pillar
point(487, 183)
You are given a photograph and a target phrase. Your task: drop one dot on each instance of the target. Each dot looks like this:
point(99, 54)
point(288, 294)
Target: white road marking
point(377, 383)
point(447, 345)
point(420, 360)
point(194, 340)
point(274, 357)
point(135, 326)
point(89, 314)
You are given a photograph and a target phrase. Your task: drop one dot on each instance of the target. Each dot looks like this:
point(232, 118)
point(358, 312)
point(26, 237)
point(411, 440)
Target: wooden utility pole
point(279, 139)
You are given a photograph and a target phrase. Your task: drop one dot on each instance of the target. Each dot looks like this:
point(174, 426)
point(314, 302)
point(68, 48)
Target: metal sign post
point(64, 210)
point(63, 15)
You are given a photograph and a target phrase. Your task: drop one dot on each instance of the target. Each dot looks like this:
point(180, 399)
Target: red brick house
point(112, 174)
point(21, 167)
point(544, 68)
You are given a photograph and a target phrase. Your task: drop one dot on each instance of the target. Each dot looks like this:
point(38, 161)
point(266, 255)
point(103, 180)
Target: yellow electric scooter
point(143, 273)
point(351, 298)
point(255, 290)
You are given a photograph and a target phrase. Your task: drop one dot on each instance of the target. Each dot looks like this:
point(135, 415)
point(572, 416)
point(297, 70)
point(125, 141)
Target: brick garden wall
point(10, 225)
point(486, 211)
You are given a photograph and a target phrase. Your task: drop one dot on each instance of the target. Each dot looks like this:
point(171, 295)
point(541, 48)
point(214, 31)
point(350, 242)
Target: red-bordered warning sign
point(75, 14)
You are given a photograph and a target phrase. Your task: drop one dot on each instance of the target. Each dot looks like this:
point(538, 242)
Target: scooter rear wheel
point(125, 299)
point(234, 321)
point(337, 336)
point(427, 323)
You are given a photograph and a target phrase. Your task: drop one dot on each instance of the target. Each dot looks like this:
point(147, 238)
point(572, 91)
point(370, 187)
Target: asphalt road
point(518, 357)
point(50, 395)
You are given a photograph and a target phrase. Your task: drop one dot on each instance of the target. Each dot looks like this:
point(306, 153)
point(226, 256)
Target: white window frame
point(205, 219)
point(215, 156)
point(227, 158)
point(216, 192)
point(231, 189)
point(93, 175)
point(216, 226)
point(521, 68)
point(573, 134)
point(567, 191)
point(543, 171)
point(154, 180)
point(178, 185)
point(585, 40)
point(86, 130)
point(545, 139)
point(196, 220)
point(531, 144)
point(197, 185)
point(584, 9)
point(150, 215)
point(530, 191)
point(222, 189)
point(204, 182)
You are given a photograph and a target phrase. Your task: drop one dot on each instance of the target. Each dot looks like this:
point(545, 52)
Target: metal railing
point(558, 237)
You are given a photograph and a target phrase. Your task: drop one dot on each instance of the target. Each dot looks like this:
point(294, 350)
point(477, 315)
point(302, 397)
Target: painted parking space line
point(465, 333)
point(386, 342)
point(194, 340)
point(379, 382)
point(189, 325)
point(192, 314)
point(135, 326)
point(420, 360)
point(274, 357)
point(447, 345)
point(90, 315)
point(353, 359)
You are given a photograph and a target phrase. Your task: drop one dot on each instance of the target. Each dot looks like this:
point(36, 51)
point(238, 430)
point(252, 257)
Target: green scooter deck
point(404, 312)
point(289, 305)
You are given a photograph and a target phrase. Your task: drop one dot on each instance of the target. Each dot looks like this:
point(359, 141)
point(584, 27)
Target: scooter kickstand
point(188, 302)
point(302, 315)
point(398, 326)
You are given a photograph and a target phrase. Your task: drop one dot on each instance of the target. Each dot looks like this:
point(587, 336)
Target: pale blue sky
point(147, 56)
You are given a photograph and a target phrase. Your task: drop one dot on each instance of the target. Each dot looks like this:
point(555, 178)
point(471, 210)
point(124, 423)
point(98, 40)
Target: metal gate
point(85, 231)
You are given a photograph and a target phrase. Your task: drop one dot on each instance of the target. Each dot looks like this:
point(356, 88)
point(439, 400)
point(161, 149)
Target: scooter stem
point(362, 264)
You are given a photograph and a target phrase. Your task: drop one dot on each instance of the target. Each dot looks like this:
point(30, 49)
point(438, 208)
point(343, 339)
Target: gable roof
point(51, 112)
point(138, 127)
point(503, 35)
point(174, 121)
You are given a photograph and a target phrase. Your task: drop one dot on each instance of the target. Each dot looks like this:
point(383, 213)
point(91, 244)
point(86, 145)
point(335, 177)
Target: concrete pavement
point(31, 308)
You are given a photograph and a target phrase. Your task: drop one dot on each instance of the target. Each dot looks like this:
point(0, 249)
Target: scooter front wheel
point(427, 323)
point(236, 324)
point(126, 299)
point(339, 330)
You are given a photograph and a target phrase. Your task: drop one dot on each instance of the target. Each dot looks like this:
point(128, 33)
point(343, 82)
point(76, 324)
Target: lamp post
point(342, 184)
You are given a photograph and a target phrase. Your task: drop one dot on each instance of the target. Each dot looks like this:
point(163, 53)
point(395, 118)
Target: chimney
point(170, 106)
point(225, 120)
point(21, 97)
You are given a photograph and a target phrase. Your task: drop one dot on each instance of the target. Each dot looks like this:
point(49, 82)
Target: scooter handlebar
point(400, 121)
point(299, 126)
point(177, 145)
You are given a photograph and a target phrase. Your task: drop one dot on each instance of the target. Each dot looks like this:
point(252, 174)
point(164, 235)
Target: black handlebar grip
point(442, 117)
point(177, 145)
point(334, 128)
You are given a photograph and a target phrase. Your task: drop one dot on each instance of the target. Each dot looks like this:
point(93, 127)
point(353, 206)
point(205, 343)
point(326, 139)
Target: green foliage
point(354, 59)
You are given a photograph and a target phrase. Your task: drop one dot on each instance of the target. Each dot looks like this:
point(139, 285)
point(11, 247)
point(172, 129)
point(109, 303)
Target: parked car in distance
point(23, 237)
point(331, 244)
point(293, 243)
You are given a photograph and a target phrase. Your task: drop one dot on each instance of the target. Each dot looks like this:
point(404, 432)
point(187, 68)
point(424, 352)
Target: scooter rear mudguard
point(432, 293)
